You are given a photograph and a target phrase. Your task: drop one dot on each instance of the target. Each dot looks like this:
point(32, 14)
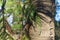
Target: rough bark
point(46, 12)
point(46, 32)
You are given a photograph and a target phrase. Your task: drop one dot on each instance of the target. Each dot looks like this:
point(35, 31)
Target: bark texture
point(45, 9)
point(46, 32)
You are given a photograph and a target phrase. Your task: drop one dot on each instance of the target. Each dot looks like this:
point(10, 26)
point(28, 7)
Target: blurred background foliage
point(22, 10)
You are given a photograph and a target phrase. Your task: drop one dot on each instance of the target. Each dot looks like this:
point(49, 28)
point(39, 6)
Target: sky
point(57, 16)
point(57, 2)
point(10, 19)
point(0, 7)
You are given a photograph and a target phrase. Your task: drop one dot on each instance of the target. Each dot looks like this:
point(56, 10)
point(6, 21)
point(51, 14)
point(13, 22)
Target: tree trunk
point(46, 12)
point(46, 32)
